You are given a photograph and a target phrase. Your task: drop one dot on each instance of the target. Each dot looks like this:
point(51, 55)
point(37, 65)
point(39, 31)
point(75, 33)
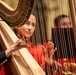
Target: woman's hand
point(19, 44)
point(48, 51)
point(16, 46)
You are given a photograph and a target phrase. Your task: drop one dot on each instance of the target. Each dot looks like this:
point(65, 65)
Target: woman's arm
point(5, 55)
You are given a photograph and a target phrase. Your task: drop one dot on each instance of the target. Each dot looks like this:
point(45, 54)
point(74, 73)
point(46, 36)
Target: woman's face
point(28, 28)
point(65, 23)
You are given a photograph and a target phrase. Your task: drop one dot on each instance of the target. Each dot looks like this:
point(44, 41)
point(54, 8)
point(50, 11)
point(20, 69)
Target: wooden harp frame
point(20, 59)
point(22, 62)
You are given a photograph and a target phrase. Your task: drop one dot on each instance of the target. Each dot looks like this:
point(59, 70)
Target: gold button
point(1, 63)
point(5, 60)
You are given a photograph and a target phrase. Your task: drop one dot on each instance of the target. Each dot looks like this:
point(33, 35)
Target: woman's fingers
point(20, 44)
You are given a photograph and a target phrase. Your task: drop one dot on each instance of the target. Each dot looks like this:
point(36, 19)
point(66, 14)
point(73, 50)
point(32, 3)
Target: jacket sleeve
point(3, 58)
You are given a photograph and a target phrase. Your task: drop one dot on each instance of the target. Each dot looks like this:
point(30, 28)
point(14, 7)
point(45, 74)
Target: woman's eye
point(33, 25)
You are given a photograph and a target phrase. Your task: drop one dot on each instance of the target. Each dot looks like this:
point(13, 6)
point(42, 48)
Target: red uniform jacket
point(5, 69)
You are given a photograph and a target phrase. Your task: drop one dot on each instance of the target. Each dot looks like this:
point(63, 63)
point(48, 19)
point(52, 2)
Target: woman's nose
point(30, 27)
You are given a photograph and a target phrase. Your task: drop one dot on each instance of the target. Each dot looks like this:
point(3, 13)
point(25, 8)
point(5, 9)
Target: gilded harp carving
point(20, 63)
point(18, 16)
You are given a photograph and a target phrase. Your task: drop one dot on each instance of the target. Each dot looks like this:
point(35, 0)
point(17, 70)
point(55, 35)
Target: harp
point(65, 55)
point(20, 64)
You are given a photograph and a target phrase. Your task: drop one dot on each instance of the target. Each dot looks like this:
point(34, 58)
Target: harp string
point(73, 42)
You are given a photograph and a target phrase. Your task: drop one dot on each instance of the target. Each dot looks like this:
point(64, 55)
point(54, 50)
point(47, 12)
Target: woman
point(39, 52)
